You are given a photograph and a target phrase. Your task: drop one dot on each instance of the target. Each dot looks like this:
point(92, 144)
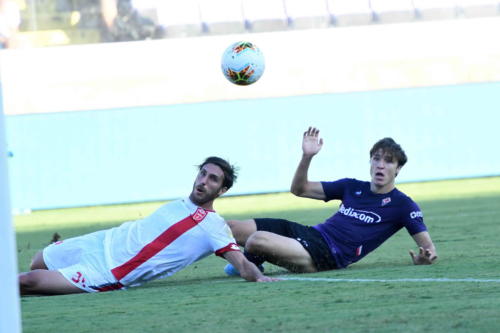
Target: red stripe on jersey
point(108, 287)
point(165, 239)
point(229, 247)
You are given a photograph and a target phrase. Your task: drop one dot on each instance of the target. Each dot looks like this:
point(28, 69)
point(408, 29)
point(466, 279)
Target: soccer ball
point(242, 63)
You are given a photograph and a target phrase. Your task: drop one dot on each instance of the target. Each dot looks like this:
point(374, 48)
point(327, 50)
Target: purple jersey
point(365, 220)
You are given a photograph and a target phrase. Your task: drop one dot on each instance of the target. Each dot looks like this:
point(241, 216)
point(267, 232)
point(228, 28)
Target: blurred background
point(113, 101)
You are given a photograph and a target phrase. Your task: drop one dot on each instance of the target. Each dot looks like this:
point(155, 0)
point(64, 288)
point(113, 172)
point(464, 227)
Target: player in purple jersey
point(369, 213)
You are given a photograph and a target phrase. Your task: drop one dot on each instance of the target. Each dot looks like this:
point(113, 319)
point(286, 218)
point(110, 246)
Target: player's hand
point(424, 257)
point(311, 143)
point(267, 279)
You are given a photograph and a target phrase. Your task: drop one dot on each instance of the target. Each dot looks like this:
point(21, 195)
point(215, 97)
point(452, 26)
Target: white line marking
point(319, 279)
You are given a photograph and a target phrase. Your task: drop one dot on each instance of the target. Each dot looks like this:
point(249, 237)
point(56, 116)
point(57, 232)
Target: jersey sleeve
point(336, 189)
point(413, 219)
point(222, 240)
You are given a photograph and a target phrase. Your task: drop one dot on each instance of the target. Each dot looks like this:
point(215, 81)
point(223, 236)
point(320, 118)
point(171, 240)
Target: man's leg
point(242, 230)
point(41, 281)
point(280, 250)
point(44, 282)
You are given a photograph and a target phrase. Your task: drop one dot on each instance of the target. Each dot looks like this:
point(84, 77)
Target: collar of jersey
point(193, 205)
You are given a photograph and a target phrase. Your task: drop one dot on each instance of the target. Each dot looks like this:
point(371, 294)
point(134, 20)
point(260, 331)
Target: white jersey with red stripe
point(173, 237)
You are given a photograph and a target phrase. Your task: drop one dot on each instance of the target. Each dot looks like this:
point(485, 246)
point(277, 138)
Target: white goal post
point(10, 317)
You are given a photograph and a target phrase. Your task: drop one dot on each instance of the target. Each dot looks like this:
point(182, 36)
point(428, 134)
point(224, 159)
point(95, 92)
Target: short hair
point(390, 147)
point(230, 171)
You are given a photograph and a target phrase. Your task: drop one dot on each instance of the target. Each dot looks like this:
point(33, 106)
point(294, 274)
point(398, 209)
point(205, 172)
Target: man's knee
point(257, 242)
point(29, 281)
point(37, 262)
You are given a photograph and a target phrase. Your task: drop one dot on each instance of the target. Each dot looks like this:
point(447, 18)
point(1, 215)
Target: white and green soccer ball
point(242, 63)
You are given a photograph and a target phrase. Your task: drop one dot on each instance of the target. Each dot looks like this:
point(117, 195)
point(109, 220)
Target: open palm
point(311, 143)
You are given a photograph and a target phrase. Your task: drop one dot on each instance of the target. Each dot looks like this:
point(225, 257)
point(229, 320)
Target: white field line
point(319, 279)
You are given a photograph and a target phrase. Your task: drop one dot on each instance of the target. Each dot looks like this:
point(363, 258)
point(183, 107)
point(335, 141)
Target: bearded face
point(208, 185)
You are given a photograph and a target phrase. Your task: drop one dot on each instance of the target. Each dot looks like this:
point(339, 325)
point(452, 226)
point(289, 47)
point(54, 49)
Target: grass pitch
point(463, 217)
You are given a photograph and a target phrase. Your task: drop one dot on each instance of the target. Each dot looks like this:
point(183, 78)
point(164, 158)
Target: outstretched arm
point(301, 186)
point(427, 251)
point(247, 269)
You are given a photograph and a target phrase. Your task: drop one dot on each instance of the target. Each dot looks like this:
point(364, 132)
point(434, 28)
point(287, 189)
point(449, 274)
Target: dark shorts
point(310, 238)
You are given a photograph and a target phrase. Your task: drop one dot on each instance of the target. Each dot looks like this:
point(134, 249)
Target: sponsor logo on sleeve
point(416, 214)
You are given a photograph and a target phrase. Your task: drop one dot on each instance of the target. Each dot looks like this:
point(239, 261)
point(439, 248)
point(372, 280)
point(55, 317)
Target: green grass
point(463, 217)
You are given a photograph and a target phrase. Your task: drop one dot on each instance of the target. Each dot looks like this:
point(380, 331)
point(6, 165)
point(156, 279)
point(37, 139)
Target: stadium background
point(97, 123)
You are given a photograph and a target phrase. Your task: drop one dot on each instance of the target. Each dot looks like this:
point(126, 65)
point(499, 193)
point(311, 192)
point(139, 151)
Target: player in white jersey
point(173, 237)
